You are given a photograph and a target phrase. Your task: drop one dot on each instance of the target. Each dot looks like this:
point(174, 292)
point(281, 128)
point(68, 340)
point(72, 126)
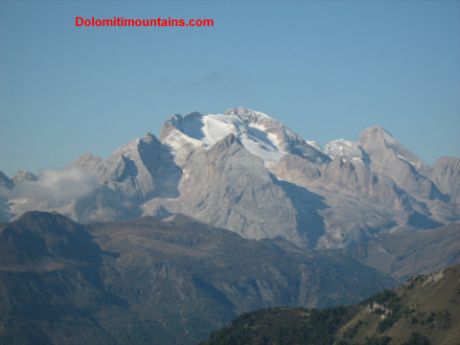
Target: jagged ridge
point(244, 171)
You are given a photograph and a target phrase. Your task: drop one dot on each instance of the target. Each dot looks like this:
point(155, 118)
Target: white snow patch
point(260, 134)
point(345, 149)
point(315, 145)
point(176, 140)
point(404, 159)
point(255, 136)
point(217, 127)
point(268, 154)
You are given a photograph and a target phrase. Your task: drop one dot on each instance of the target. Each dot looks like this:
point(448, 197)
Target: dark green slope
point(154, 282)
point(279, 326)
point(425, 310)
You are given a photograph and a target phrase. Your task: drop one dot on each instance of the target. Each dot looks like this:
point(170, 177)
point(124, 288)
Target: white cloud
point(54, 188)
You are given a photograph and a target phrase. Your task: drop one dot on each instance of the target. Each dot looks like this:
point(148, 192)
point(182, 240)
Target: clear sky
point(328, 69)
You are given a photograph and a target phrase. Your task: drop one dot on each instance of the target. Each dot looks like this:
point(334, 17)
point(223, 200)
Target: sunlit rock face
point(247, 172)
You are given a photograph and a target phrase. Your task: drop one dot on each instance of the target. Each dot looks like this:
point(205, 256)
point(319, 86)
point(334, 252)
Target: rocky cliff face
point(446, 174)
point(247, 172)
point(233, 189)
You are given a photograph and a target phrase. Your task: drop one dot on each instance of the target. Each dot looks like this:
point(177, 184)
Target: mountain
point(222, 191)
point(5, 181)
point(170, 281)
point(446, 174)
point(22, 176)
point(50, 282)
point(237, 169)
point(260, 134)
point(423, 311)
point(405, 254)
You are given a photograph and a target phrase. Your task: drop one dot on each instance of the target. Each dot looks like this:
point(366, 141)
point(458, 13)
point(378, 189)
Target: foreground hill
point(425, 310)
point(150, 281)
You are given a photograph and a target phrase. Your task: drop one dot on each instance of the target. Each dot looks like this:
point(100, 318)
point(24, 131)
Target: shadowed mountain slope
point(150, 281)
point(406, 254)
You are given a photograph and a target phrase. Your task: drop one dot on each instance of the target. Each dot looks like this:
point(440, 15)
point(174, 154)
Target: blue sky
point(327, 69)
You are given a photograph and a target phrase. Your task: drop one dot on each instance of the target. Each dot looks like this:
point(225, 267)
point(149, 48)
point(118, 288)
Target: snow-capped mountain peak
point(237, 169)
point(260, 134)
point(248, 115)
point(345, 149)
point(195, 129)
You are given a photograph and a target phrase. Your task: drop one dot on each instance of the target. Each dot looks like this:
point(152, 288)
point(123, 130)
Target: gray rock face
point(446, 175)
point(389, 157)
point(244, 171)
point(140, 170)
point(407, 254)
point(229, 187)
point(5, 181)
point(297, 169)
point(23, 175)
point(5, 185)
point(371, 198)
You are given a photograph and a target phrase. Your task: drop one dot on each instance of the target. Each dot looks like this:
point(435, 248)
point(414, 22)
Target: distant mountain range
point(246, 172)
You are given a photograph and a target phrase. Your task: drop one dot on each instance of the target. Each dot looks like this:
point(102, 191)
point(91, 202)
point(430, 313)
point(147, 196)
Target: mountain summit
point(247, 172)
point(260, 134)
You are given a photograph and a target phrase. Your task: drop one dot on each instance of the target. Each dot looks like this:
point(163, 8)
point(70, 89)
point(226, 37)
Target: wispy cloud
point(54, 188)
